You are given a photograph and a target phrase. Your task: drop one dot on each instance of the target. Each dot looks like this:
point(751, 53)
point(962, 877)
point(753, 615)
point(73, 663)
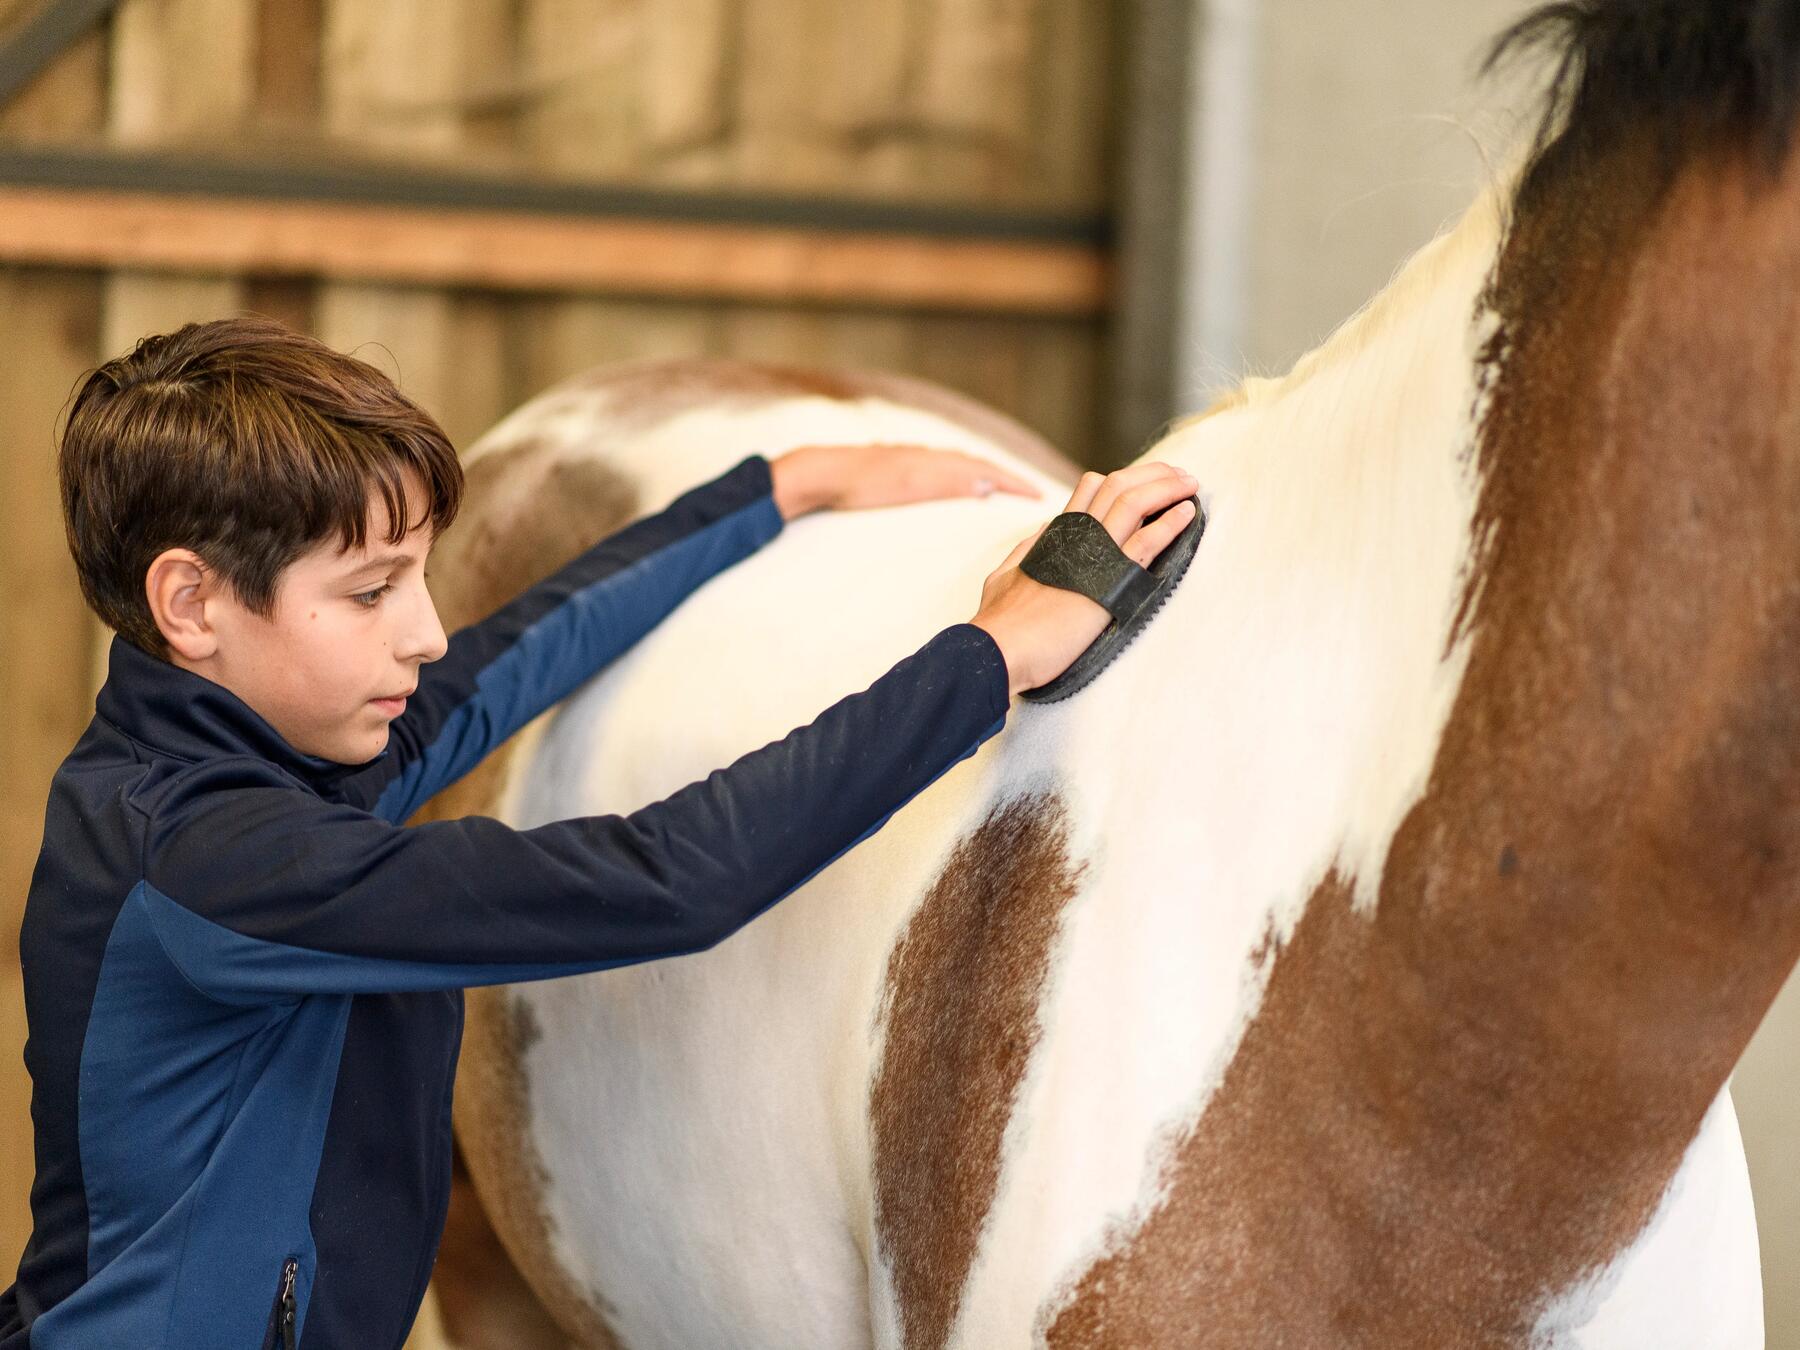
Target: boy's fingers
point(1128, 512)
point(1130, 480)
point(1147, 544)
point(1083, 496)
point(1095, 492)
point(986, 477)
point(1015, 487)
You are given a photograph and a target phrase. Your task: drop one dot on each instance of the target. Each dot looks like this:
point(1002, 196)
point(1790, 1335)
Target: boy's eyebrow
point(385, 561)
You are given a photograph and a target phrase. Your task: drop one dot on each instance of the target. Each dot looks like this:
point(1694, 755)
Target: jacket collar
point(176, 712)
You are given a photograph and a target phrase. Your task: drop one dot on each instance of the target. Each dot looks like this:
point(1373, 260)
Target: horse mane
point(1686, 72)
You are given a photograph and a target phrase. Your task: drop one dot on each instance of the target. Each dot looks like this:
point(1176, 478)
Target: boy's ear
point(177, 586)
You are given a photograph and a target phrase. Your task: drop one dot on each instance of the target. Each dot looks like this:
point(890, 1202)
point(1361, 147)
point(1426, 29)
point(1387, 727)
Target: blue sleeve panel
point(500, 673)
point(259, 893)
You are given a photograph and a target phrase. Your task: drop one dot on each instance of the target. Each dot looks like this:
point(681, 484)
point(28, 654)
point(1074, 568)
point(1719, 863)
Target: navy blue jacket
point(243, 975)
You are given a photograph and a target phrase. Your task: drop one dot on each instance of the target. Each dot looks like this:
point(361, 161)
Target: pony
point(1362, 959)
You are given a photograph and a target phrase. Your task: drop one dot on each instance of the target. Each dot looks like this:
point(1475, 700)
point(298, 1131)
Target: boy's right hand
point(1041, 629)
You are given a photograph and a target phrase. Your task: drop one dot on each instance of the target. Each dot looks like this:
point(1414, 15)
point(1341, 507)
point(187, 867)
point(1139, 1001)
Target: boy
point(242, 974)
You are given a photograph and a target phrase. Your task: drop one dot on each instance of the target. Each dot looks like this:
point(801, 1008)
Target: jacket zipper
point(284, 1305)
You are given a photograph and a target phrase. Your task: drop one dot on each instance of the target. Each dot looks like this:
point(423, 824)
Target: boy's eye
point(368, 599)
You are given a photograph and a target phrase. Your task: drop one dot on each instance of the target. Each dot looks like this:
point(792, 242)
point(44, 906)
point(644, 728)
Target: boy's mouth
point(393, 704)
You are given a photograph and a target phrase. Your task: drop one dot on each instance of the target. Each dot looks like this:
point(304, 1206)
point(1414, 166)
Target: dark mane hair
point(1686, 72)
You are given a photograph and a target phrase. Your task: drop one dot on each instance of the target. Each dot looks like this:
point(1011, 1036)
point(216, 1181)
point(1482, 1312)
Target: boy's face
point(329, 668)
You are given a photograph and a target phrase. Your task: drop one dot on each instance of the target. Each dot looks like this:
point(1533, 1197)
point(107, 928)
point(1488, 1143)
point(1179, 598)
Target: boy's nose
point(426, 640)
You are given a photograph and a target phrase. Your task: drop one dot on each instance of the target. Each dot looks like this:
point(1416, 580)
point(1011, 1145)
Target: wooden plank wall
point(52, 322)
point(979, 102)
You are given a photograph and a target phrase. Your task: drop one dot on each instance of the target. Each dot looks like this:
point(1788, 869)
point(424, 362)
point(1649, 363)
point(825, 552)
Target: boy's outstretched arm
point(260, 893)
point(499, 674)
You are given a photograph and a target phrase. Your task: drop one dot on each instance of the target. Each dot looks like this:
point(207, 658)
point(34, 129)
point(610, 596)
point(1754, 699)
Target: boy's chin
point(374, 745)
point(359, 746)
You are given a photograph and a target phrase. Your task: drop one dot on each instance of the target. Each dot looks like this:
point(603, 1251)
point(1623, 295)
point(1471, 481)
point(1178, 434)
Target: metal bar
point(1155, 183)
point(44, 38)
point(1214, 330)
point(378, 184)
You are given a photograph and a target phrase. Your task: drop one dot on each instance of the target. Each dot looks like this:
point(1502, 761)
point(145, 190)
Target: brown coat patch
point(493, 1124)
point(1449, 1112)
point(528, 508)
point(483, 1302)
point(961, 1005)
point(647, 393)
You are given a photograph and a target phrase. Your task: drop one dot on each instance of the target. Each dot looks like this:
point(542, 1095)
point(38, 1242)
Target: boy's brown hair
point(246, 442)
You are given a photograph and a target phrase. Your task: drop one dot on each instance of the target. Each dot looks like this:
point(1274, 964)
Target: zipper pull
point(284, 1317)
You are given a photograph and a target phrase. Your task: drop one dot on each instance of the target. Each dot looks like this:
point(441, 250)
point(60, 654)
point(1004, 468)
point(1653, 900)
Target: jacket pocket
point(284, 1316)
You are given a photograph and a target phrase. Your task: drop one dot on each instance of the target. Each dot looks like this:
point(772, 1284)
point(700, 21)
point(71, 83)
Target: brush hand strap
point(1075, 553)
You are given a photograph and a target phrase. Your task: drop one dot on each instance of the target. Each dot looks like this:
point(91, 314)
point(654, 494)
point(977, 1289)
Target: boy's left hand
point(854, 477)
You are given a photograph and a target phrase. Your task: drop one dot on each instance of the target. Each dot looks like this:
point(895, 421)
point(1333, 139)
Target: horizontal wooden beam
point(509, 251)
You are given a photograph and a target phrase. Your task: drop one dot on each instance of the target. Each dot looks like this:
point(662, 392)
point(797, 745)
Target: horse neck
point(1581, 921)
point(1632, 697)
point(1557, 497)
point(1553, 915)
point(1586, 915)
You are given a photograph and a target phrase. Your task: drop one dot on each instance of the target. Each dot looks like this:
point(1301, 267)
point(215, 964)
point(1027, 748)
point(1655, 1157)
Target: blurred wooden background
point(966, 104)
